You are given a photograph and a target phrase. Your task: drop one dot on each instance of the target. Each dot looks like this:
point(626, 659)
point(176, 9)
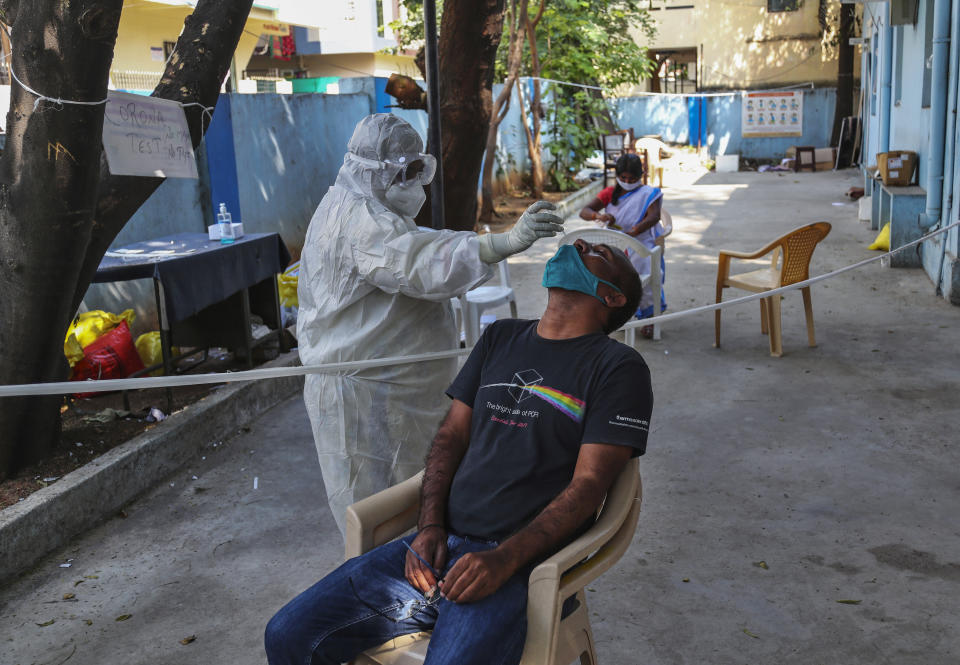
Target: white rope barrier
point(106, 385)
point(102, 385)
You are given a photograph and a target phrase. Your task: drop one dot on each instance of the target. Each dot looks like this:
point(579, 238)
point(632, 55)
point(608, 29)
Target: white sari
point(629, 211)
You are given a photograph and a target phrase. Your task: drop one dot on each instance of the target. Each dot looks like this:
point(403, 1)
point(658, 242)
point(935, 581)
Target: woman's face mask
point(407, 199)
point(566, 270)
point(628, 186)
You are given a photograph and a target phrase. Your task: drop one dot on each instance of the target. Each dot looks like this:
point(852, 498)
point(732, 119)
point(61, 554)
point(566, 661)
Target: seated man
point(544, 416)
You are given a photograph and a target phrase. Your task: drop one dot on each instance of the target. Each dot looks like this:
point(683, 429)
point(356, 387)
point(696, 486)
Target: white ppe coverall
point(373, 284)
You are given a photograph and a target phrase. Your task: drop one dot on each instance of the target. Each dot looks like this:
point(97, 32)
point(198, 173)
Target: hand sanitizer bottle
point(225, 222)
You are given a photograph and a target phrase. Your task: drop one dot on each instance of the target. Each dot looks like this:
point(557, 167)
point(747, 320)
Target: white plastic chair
point(666, 227)
point(473, 302)
point(552, 639)
point(621, 240)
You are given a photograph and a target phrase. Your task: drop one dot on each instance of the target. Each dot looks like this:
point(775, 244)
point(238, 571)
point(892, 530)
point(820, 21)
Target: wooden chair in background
point(613, 146)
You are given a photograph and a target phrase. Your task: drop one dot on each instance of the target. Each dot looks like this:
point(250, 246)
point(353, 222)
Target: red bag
point(111, 356)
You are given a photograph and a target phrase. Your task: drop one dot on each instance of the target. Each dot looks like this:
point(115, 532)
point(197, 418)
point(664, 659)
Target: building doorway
point(677, 70)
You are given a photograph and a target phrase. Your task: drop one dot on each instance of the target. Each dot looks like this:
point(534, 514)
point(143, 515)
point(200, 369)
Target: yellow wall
point(144, 24)
point(744, 45)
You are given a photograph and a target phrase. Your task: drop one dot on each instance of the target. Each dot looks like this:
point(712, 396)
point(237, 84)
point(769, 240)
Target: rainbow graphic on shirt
point(569, 405)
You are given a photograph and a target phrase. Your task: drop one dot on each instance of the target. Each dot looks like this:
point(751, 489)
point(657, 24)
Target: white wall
point(909, 123)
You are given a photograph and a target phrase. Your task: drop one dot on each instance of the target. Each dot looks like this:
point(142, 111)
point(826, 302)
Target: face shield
point(403, 170)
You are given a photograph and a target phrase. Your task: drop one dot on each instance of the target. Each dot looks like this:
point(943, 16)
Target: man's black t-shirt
point(535, 400)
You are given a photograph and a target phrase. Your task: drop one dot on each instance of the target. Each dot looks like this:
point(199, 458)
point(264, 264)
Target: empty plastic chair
point(474, 302)
point(790, 256)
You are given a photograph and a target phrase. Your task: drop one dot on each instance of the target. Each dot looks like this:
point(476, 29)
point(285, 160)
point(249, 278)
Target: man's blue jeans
point(368, 601)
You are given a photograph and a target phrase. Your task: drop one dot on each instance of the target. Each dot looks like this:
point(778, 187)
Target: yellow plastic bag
point(87, 327)
point(287, 285)
point(883, 239)
point(72, 350)
point(150, 350)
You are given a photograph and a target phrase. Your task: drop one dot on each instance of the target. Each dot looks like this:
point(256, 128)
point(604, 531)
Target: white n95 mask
point(628, 186)
point(407, 199)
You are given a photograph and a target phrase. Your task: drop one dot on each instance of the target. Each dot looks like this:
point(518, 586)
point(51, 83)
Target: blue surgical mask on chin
point(566, 270)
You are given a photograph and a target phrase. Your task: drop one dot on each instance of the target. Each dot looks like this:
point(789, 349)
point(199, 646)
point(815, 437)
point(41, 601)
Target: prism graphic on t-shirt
point(528, 383)
point(522, 381)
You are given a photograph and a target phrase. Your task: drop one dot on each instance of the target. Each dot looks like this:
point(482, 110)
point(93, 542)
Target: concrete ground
point(774, 488)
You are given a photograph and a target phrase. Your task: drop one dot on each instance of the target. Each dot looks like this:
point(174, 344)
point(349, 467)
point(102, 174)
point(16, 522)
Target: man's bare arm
point(475, 576)
point(443, 459)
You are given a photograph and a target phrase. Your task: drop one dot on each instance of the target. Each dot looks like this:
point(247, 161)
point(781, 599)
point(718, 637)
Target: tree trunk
point(534, 142)
point(194, 73)
point(59, 207)
point(844, 103)
point(501, 106)
point(466, 56)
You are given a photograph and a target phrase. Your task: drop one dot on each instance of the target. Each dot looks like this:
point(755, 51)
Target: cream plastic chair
point(551, 640)
point(790, 256)
point(655, 150)
point(623, 241)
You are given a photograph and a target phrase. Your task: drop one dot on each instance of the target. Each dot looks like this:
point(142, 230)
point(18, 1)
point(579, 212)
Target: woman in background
point(633, 208)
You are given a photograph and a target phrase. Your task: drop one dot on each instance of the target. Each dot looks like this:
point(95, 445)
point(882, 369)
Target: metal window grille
point(134, 80)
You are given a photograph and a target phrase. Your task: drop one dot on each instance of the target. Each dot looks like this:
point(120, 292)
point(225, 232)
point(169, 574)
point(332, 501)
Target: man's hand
point(476, 575)
point(431, 544)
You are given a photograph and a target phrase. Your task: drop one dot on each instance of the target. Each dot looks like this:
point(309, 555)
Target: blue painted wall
point(910, 124)
point(668, 116)
point(288, 151)
point(511, 154)
point(173, 208)
point(271, 158)
point(663, 115)
point(222, 160)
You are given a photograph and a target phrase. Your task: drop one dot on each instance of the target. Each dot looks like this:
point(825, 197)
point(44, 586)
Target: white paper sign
point(772, 114)
point(147, 136)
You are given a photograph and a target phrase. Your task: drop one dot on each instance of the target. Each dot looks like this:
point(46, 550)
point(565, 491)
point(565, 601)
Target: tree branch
point(536, 21)
point(194, 73)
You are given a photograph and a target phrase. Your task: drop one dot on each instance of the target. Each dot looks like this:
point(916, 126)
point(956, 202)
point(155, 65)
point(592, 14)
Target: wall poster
point(772, 113)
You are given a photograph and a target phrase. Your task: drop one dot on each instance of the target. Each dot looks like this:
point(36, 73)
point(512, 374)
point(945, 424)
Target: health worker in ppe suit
point(373, 284)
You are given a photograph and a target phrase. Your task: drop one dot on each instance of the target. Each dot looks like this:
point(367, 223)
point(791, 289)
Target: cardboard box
point(897, 167)
point(213, 231)
point(728, 163)
point(824, 158)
